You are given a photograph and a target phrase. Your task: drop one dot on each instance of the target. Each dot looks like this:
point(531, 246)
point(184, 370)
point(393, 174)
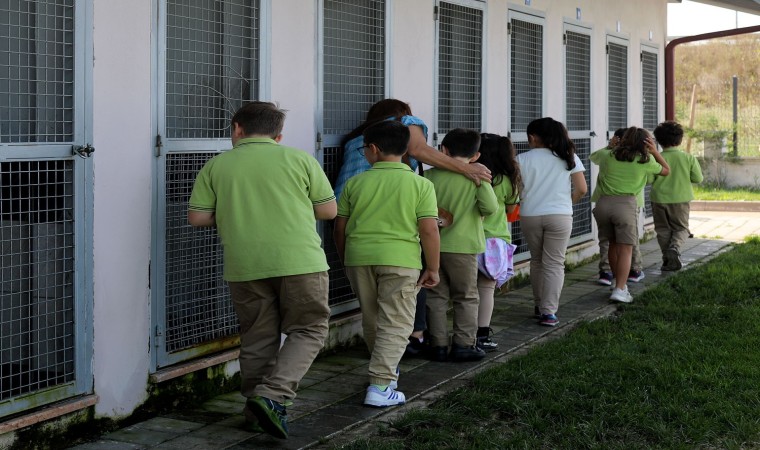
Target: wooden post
point(693, 108)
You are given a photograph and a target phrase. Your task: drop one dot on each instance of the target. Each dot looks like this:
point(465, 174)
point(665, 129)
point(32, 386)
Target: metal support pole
point(736, 115)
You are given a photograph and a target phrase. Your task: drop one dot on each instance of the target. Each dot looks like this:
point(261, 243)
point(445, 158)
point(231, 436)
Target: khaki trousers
point(459, 283)
point(295, 306)
point(671, 223)
point(388, 300)
point(547, 238)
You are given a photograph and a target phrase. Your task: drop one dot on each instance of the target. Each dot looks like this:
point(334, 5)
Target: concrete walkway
point(328, 409)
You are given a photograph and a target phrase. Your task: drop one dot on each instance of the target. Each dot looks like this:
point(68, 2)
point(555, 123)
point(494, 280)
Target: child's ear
point(475, 157)
point(278, 138)
point(444, 150)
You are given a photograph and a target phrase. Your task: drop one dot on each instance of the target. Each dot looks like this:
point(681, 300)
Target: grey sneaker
point(672, 260)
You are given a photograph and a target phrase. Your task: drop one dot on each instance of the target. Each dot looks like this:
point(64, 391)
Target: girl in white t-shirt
point(553, 180)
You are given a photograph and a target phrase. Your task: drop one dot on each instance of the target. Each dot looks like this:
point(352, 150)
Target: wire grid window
point(578, 81)
point(198, 304)
point(37, 71)
point(353, 80)
point(460, 64)
point(649, 89)
point(36, 276)
point(212, 59)
point(617, 87)
point(354, 62)
point(517, 235)
point(527, 44)
point(582, 209)
point(649, 95)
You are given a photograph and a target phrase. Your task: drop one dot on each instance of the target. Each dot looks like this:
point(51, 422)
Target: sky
point(689, 18)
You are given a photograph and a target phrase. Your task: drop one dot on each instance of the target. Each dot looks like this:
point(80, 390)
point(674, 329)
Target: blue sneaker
point(634, 276)
point(272, 416)
point(548, 320)
point(605, 278)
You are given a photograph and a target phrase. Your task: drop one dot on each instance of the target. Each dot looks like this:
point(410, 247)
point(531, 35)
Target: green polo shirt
point(622, 177)
point(263, 196)
point(676, 187)
point(467, 202)
point(495, 225)
point(383, 206)
point(596, 193)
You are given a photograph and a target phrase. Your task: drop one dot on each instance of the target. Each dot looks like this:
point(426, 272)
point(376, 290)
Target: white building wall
point(124, 129)
point(293, 69)
point(122, 106)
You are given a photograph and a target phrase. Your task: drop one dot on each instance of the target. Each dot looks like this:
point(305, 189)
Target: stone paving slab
point(329, 407)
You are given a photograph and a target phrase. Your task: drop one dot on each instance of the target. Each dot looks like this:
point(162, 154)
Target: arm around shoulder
point(421, 151)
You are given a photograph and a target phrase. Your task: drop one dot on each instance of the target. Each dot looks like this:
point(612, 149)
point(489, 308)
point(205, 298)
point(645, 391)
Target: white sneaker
point(388, 397)
point(621, 295)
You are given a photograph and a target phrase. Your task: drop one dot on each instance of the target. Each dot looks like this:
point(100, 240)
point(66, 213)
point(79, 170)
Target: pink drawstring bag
point(497, 262)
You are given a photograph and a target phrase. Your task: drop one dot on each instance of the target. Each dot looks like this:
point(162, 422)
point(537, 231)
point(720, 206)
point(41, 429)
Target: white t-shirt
point(546, 183)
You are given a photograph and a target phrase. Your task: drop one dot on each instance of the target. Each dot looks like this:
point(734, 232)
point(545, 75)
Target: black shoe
point(672, 260)
point(461, 354)
point(415, 347)
point(439, 354)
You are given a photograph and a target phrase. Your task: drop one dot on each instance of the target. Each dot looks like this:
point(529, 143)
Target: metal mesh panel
point(212, 53)
point(582, 209)
point(617, 88)
point(578, 81)
point(649, 89)
point(460, 63)
point(36, 276)
point(526, 73)
point(517, 236)
point(650, 98)
point(648, 201)
point(354, 62)
point(37, 71)
point(198, 304)
point(340, 288)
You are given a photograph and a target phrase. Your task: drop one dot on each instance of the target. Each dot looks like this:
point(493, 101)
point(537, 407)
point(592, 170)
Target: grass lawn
point(679, 368)
point(706, 192)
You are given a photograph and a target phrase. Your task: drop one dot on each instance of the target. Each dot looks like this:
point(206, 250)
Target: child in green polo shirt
point(671, 195)
point(623, 173)
point(461, 242)
point(383, 216)
point(264, 200)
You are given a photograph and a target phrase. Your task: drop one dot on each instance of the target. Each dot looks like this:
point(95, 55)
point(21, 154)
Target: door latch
point(82, 151)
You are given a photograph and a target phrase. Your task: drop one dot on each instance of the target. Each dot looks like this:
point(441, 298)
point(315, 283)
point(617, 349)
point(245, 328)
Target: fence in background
point(727, 111)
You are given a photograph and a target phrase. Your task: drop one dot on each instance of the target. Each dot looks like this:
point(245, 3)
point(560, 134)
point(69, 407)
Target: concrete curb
point(738, 206)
